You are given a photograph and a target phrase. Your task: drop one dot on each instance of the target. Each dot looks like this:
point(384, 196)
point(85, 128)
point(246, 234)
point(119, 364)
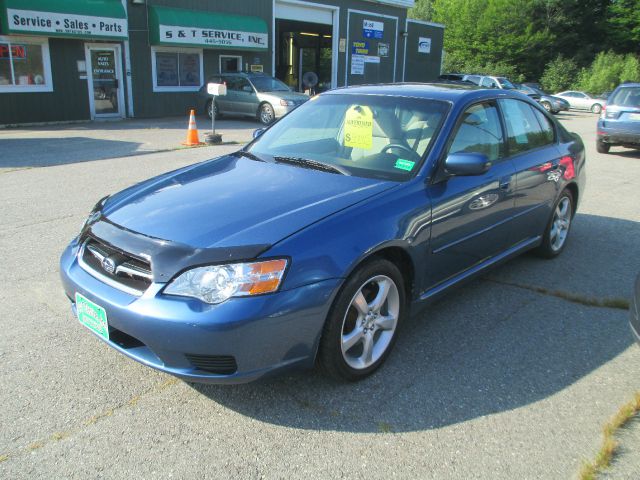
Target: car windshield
point(365, 135)
point(506, 84)
point(269, 84)
point(626, 97)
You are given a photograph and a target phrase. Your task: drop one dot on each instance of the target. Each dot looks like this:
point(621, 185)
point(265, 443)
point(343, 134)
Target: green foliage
point(523, 39)
point(491, 36)
point(623, 25)
point(607, 71)
point(559, 74)
point(423, 10)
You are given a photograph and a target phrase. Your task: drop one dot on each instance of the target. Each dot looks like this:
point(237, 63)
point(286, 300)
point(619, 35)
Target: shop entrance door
point(104, 77)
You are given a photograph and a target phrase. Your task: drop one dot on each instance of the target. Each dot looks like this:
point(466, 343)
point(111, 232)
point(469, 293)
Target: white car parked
point(582, 101)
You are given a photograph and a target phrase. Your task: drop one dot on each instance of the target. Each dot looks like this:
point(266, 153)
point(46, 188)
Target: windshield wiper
point(314, 164)
point(252, 156)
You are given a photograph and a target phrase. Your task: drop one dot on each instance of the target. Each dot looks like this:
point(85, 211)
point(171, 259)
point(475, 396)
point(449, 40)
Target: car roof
point(452, 92)
point(242, 74)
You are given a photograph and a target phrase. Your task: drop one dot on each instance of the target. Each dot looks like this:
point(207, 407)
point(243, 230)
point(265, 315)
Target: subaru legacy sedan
point(310, 246)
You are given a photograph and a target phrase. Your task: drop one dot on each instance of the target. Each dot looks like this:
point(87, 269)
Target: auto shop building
point(71, 60)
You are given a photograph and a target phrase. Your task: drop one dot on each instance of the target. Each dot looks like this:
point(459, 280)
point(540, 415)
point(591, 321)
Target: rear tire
point(363, 322)
point(596, 108)
point(602, 147)
point(555, 235)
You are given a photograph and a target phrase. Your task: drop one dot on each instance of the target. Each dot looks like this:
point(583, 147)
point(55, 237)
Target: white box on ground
point(216, 89)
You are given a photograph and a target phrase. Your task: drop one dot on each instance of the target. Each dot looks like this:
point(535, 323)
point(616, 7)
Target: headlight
point(217, 283)
point(287, 103)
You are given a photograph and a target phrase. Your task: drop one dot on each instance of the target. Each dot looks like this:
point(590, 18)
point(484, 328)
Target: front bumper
point(264, 334)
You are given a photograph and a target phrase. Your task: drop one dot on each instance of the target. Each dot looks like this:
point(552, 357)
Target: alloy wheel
point(370, 322)
point(266, 114)
point(561, 223)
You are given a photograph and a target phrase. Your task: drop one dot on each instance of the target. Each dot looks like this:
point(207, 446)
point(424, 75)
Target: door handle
point(505, 183)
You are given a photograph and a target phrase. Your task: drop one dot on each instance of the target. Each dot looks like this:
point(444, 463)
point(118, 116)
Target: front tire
point(557, 231)
point(602, 147)
point(208, 108)
point(266, 114)
point(546, 106)
point(596, 108)
point(362, 325)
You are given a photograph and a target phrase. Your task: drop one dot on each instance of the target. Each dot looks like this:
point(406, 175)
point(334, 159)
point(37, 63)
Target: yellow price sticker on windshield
point(358, 127)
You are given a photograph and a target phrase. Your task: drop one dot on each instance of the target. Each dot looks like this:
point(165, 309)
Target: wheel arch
point(573, 188)
point(396, 253)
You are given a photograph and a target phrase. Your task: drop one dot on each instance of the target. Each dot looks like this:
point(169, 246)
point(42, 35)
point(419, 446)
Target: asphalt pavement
point(497, 380)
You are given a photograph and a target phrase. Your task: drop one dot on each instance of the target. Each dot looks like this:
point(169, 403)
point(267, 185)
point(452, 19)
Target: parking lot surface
point(500, 379)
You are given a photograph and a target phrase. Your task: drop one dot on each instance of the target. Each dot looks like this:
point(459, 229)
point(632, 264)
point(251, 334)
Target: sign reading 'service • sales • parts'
point(31, 21)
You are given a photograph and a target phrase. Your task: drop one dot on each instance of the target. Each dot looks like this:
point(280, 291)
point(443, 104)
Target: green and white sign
point(92, 316)
point(105, 19)
point(174, 26)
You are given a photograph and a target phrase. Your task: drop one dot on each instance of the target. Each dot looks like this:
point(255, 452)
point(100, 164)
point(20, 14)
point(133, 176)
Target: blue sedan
point(311, 245)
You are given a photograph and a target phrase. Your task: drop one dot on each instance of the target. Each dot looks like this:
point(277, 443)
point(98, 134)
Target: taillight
point(569, 170)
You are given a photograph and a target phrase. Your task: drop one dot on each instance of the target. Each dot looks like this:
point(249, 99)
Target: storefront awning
point(100, 19)
point(197, 28)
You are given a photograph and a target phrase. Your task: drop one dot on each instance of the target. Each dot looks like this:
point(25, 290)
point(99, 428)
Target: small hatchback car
point(619, 123)
point(311, 244)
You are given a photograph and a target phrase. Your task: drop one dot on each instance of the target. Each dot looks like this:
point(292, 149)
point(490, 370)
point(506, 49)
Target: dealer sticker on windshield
point(92, 316)
point(358, 127)
point(403, 164)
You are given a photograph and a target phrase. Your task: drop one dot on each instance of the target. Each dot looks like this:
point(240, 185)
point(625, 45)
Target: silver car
point(252, 95)
point(582, 101)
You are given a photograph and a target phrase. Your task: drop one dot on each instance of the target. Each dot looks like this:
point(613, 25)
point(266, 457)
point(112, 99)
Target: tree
point(559, 74)
point(608, 70)
point(623, 25)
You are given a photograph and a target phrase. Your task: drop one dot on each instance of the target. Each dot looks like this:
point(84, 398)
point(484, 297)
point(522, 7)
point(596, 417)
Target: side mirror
point(258, 132)
point(466, 164)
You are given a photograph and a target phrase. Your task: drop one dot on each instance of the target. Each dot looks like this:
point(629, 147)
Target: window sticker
point(358, 127)
point(403, 164)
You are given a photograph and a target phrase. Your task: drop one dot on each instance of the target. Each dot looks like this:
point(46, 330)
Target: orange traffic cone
point(192, 132)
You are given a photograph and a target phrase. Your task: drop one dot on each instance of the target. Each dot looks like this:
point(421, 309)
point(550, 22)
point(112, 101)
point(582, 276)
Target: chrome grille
point(115, 267)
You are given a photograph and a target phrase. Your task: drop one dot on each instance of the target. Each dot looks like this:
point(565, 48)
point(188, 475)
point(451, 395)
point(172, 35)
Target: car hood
point(294, 96)
point(233, 201)
point(553, 98)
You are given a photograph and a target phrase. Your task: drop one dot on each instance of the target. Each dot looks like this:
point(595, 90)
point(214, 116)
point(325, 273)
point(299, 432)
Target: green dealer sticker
point(92, 316)
point(403, 164)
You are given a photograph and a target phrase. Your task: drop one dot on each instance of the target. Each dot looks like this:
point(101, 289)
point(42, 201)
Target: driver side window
point(480, 132)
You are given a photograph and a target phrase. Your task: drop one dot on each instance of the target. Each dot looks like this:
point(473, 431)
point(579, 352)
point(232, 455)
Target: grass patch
point(613, 302)
point(609, 444)
point(35, 445)
point(384, 427)
point(60, 435)
point(4, 458)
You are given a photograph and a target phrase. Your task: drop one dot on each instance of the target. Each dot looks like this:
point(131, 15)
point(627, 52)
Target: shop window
point(230, 63)
point(176, 70)
point(25, 65)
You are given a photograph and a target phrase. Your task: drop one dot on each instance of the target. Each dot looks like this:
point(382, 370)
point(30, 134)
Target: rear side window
point(546, 126)
point(626, 97)
point(480, 132)
point(524, 131)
